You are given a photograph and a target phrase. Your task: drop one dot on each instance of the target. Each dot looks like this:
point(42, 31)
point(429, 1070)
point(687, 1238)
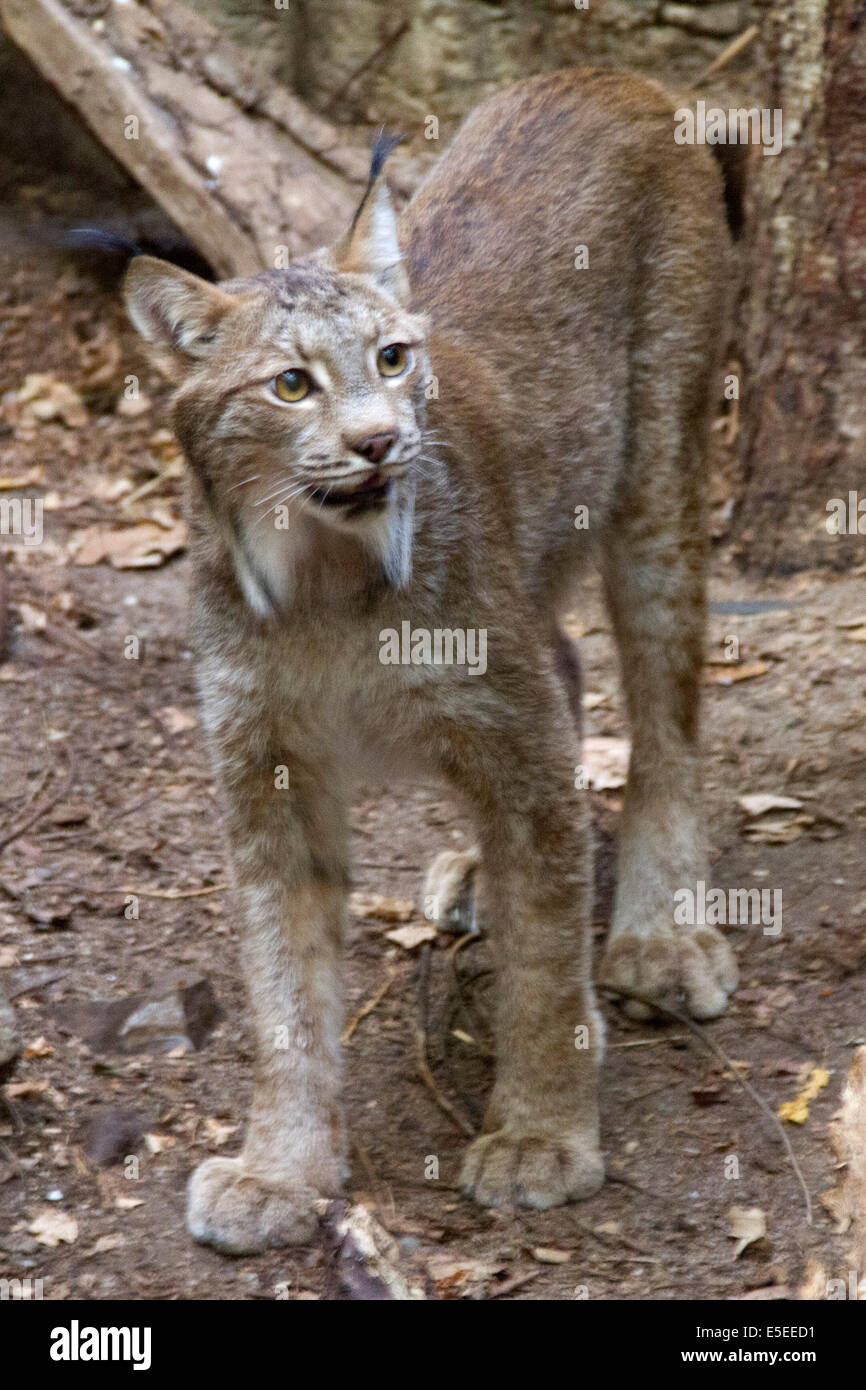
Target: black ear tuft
point(383, 146)
point(102, 249)
point(99, 239)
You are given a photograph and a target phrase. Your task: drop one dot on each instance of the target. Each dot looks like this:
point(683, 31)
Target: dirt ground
point(106, 790)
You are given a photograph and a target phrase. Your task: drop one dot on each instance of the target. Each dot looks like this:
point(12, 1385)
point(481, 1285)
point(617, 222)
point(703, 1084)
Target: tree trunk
point(803, 410)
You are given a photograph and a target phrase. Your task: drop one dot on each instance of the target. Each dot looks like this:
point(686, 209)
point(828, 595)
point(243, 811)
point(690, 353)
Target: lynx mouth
point(371, 495)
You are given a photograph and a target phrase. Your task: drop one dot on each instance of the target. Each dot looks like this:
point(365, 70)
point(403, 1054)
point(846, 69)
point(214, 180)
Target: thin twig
point(720, 1053)
point(172, 894)
point(734, 47)
point(398, 868)
point(368, 1008)
point(429, 1080)
point(39, 812)
point(367, 63)
point(613, 1242)
point(175, 893)
point(37, 985)
point(421, 1062)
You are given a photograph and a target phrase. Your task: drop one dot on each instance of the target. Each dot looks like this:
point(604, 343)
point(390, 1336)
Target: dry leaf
point(456, 1278)
point(546, 1255)
point(45, 398)
point(131, 406)
point(144, 545)
point(748, 1224)
point(410, 937)
point(815, 1282)
point(158, 1143)
point(796, 1111)
point(218, 1133)
point(30, 618)
point(384, 909)
point(605, 762)
point(110, 489)
point(608, 1228)
point(40, 1047)
point(70, 813)
point(777, 832)
point(12, 482)
point(760, 803)
point(106, 1243)
point(51, 1226)
point(101, 360)
point(730, 675)
point(21, 1090)
point(175, 720)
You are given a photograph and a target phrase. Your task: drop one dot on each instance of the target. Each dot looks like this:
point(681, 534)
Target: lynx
point(392, 436)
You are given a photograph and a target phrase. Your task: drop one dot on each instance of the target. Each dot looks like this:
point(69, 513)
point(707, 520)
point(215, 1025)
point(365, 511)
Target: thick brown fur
point(534, 387)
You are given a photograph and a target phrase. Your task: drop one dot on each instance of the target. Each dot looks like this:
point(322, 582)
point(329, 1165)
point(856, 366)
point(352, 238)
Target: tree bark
point(803, 410)
point(242, 166)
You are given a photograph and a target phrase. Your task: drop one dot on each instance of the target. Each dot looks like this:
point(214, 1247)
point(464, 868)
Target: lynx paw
point(531, 1170)
point(241, 1215)
point(449, 890)
point(691, 970)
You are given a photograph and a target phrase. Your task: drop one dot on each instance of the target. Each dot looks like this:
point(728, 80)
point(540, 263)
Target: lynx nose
point(375, 446)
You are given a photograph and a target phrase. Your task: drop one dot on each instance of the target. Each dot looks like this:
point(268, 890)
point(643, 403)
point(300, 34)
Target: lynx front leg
point(655, 588)
point(540, 1144)
point(287, 846)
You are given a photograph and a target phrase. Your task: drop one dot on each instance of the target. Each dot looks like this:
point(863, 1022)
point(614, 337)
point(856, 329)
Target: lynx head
point(299, 397)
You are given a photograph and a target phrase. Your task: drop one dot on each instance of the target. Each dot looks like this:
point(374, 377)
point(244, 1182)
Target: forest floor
point(105, 785)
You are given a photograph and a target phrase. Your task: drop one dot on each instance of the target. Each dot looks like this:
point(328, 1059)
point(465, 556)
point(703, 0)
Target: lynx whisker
point(286, 483)
point(254, 479)
point(282, 501)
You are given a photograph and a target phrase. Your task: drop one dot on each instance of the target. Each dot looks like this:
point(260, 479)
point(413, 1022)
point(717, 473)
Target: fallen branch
point(720, 1053)
point(239, 164)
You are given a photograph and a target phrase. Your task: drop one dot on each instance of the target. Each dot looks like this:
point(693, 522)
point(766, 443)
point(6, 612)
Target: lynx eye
point(293, 385)
point(393, 359)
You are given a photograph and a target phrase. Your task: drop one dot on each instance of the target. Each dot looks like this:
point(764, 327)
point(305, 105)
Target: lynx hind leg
point(451, 890)
point(567, 666)
point(655, 584)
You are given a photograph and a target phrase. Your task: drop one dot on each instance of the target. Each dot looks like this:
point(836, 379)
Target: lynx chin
point(427, 397)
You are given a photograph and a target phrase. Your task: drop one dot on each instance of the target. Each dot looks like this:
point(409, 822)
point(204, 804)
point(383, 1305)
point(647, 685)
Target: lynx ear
point(173, 310)
point(371, 246)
